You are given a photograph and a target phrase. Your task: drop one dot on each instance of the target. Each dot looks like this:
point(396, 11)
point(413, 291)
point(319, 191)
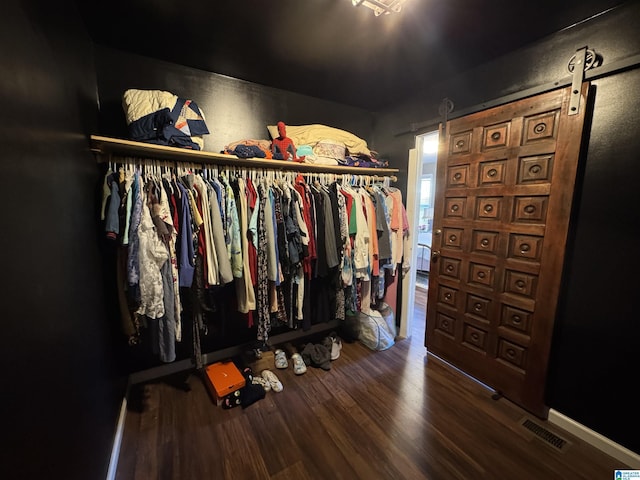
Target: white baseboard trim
point(601, 442)
point(117, 441)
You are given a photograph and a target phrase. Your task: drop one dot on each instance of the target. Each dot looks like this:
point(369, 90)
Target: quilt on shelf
point(325, 145)
point(156, 116)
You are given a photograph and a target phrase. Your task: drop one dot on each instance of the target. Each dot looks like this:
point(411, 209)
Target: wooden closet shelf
point(104, 147)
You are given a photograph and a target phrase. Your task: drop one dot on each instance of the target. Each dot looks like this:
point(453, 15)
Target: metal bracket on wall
point(578, 62)
point(445, 108)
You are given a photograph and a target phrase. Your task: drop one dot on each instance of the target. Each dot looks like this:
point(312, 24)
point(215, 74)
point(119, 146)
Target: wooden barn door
point(505, 181)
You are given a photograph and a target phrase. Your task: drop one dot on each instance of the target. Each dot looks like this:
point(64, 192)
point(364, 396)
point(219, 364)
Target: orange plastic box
point(223, 378)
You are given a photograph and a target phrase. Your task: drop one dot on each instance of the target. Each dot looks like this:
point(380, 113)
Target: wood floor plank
point(354, 449)
point(241, 457)
point(193, 435)
point(377, 445)
point(396, 414)
point(321, 456)
point(147, 461)
point(270, 429)
point(129, 446)
point(315, 392)
point(297, 471)
point(410, 431)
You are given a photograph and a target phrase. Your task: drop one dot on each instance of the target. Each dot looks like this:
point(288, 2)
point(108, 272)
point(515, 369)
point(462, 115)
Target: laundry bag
point(389, 317)
point(374, 332)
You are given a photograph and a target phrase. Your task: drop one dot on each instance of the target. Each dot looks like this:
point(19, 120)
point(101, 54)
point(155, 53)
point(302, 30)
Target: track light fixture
point(380, 7)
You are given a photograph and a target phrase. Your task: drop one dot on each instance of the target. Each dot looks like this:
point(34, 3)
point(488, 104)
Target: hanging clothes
point(244, 285)
point(300, 249)
point(219, 246)
point(262, 297)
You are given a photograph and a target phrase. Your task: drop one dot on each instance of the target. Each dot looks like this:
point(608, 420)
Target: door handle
point(435, 255)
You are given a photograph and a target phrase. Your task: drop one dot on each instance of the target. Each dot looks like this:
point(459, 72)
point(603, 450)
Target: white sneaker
point(299, 366)
point(336, 347)
point(273, 380)
point(281, 359)
point(258, 380)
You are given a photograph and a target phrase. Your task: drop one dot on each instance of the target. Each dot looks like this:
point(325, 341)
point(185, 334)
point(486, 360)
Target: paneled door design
point(505, 181)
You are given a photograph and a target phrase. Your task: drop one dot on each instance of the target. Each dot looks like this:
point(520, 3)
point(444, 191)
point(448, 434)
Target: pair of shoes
point(273, 380)
point(258, 380)
point(299, 366)
point(281, 359)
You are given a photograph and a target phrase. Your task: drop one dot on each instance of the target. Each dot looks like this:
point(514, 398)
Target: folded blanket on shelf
point(249, 148)
point(156, 116)
point(312, 134)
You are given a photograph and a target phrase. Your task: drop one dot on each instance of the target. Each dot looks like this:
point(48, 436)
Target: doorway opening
point(427, 149)
point(424, 209)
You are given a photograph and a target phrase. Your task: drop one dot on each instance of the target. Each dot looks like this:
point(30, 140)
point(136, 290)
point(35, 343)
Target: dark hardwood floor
point(396, 414)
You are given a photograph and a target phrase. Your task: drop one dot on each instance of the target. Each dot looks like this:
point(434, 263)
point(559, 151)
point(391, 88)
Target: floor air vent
point(547, 436)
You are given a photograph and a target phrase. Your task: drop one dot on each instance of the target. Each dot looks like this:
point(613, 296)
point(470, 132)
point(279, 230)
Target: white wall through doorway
point(421, 174)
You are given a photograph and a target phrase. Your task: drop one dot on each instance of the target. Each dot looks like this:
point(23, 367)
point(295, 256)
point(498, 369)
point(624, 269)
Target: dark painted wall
point(234, 110)
point(59, 395)
point(593, 362)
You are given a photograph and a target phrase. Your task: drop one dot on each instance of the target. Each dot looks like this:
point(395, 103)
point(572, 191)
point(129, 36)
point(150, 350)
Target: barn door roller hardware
point(445, 108)
point(583, 60)
point(590, 60)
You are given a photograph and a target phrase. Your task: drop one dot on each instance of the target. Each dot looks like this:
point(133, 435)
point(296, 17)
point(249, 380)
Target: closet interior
point(217, 255)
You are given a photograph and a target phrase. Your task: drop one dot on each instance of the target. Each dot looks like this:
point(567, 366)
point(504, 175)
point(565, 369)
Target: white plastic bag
point(374, 331)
